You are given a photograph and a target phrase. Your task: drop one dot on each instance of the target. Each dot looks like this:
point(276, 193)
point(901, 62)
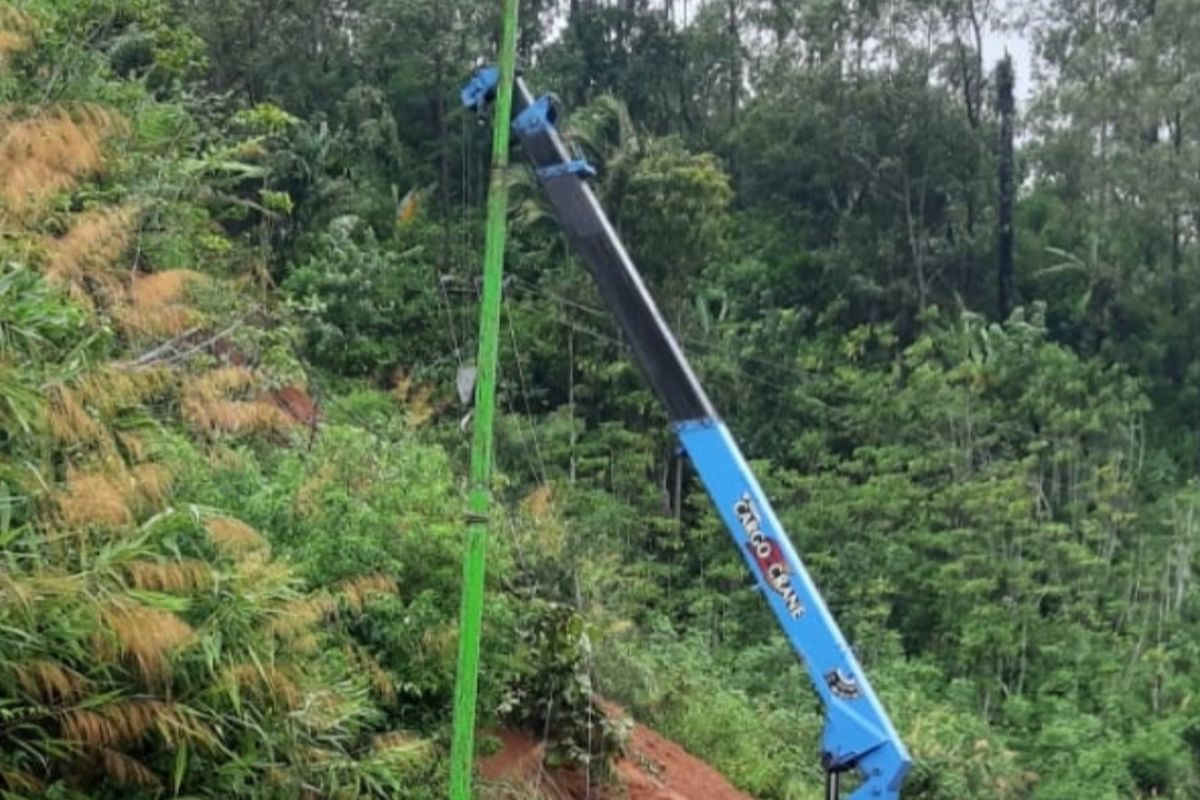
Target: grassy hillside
point(209, 585)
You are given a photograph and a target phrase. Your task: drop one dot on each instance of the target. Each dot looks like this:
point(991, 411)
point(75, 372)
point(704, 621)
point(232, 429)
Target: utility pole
point(462, 753)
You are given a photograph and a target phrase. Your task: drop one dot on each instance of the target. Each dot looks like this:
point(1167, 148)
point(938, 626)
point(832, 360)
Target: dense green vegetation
point(237, 288)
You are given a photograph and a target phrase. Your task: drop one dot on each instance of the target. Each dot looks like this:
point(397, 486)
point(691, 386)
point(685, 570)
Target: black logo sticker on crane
point(842, 685)
point(768, 555)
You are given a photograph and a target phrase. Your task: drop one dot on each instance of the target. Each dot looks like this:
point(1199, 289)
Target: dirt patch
point(296, 403)
point(655, 769)
point(659, 769)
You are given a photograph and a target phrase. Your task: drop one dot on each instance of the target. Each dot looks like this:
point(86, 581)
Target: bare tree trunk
point(1176, 216)
point(977, 23)
point(735, 64)
point(916, 239)
point(1006, 106)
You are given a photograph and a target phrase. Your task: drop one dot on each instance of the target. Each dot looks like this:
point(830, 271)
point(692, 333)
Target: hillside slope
point(654, 768)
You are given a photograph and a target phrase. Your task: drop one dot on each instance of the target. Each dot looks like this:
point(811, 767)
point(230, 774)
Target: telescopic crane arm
point(858, 735)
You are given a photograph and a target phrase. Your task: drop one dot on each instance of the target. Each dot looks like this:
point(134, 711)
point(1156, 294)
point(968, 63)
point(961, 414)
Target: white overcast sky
point(1018, 45)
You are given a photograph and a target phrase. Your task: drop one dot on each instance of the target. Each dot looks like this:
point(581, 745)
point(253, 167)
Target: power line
point(537, 449)
point(736, 361)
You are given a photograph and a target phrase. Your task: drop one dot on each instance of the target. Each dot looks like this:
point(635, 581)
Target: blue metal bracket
point(480, 90)
point(540, 117)
point(578, 167)
point(537, 117)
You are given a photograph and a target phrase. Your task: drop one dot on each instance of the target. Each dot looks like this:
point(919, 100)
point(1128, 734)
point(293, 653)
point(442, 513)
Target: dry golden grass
point(136, 718)
point(84, 259)
point(12, 42)
point(51, 151)
point(407, 210)
point(128, 723)
point(156, 307)
point(540, 501)
point(309, 496)
point(126, 771)
point(296, 619)
point(147, 637)
point(87, 728)
point(137, 446)
point(160, 289)
point(69, 421)
point(110, 495)
point(381, 682)
point(154, 323)
point(95, 500)
point(234, 537)
point(266, 683)
point(417, 398)
point(396, 740)
point(209, 404)
point(152, 482)
point(236, 416)
point(51, 682)
point(263, 579)
point(16, 29)
point(440, 641)
point(221, 382)
point(110, 390)
point(357, 591)
point(171, 576)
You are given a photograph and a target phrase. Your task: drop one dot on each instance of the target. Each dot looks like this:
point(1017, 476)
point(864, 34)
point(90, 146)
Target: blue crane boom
point(858, 735)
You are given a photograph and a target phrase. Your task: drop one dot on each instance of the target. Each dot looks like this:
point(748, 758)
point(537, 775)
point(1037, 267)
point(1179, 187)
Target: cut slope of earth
point(655, 769)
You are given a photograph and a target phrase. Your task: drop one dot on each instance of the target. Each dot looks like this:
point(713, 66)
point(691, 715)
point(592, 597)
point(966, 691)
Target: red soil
point(295, 402)
point(655, 769)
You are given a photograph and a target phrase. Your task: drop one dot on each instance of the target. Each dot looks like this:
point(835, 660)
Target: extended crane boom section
point(858, 735)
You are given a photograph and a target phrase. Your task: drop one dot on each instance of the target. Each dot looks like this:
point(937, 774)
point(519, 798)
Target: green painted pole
point(462, 753)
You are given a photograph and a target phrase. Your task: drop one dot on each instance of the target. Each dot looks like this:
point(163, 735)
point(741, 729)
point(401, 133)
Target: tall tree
point(1006, 109)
